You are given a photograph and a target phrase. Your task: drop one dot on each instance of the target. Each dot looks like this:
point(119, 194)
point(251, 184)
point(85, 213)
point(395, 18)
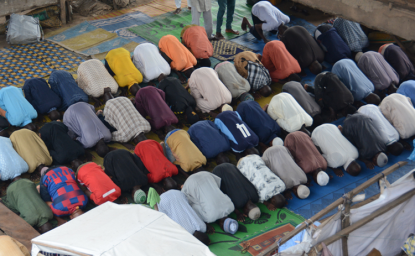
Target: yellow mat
point(88, 40)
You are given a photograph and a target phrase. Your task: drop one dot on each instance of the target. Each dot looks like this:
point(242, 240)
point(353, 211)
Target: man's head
point(4, 133)
point(226, 107)
point(54, 115)
point(161, 77)
point(265, 91)
point(169, 128)
point(222, 158)
point(391, 89)
point(31, 127)
point(107, 94)
point(202, 237)
point(169, 183)
point(45, 227)
point(277, 142)
point(315, 67)
point(101, 148)
point(294, 77)
point(358, 56)
point(353, 168)
point(373, 99)
point(350, 110)
point(188, 72)
point(281, 30)
point(204, 63)
point(141, 137)
point(246, 96)
point(278, 200)
point(251, 151)
point(75, 164)
point(322, 177)
point(78, 212)
point(252, 210)
point(134, 89)
point(395, 148)
point(380, 159)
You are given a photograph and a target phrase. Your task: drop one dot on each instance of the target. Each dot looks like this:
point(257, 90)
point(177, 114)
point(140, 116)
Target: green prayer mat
point(254, 236)
point(172, 24)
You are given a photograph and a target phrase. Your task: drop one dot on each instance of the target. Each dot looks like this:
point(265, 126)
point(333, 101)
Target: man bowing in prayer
point(352, 34)
point(362, 132)
point(279, 62)
point(16, 109)
point(42, 98)
point(119, 65)
point(240, 190)
point(336, 149)
point(11, 165)
point(378, 71)
point(150, 101)
point(407, 89)
point(178, 56)
point(268, 185)
point(333, 45)
point(209, 92)
point(209, 140)
point(307, 156)
point(61, 147)
point(354, 79)
point(149, 62)
point(196, 40)
point(302, 47)
point(279, 160)
point(85, 127)
point(400, 112)
point(289, 115)
point(265, 17)
point(399, 61)
point(203, 193)
point(236, 84)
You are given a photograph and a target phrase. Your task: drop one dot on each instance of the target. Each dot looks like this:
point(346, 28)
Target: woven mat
point(226, 50)
point(21, 62)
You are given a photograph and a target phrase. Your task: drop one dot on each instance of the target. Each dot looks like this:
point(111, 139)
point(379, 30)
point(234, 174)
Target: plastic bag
point(23, 29)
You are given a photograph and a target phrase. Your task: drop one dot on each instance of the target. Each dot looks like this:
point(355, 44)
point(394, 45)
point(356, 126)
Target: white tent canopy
point(111, 229)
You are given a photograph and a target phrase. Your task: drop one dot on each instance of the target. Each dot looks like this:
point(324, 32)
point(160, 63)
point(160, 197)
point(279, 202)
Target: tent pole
point(332, 206)
point(384, 209)
point(346, 222)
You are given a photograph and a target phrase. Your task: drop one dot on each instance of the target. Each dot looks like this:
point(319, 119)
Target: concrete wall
point(396, 17)
point(14, 6)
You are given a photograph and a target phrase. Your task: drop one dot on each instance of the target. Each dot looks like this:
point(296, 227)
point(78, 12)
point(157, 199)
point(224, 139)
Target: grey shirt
point(203, 192)
point(235, 83)
point(302, 97)
point(81, 120)
point(279, 161)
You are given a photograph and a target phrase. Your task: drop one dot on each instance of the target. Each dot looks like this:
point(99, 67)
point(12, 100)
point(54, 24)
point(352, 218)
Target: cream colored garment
point(289, 115)
point(31, 148)
point(209, 92)
point(93, 78)
point(400, 113)
point(11, 247)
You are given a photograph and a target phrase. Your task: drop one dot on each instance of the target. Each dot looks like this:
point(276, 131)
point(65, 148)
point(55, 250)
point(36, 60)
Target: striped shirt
point(122, 115)
point(174, 204)
point(352, 34)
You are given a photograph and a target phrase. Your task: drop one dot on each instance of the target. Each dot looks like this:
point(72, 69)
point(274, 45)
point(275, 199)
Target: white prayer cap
point(382, 160)
point(303, 191)
point(357, 57)
point(322, 178)
point(278, 142)
point(226, 107)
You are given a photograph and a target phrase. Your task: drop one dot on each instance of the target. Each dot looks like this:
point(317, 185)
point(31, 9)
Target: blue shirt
point(259, 121)
point(241, 137)
point(11, 164)
point(19, 112)
point(354, 79)
point(208, 138)
point(336, 48)
point(408, 89)
point(64, 85)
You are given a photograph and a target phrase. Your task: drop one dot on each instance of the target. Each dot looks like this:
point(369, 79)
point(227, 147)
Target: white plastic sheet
point(112, 229)
point(23, 29)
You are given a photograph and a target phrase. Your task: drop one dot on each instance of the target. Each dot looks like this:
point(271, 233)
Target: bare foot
point(235, 32)
point(244, 24)
point(338, 172)
point(61, 221)
point(288, 195)
point(270, 206)
point(219, 36)
point(240, 217)
point(209, 229)
point(177, 11)
point(369, 164)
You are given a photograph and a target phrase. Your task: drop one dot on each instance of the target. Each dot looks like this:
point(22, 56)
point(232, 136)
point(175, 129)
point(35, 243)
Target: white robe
point(149, 61)
point(265, 181)
point(337, 150)
point(387, 131)
point(289, 115)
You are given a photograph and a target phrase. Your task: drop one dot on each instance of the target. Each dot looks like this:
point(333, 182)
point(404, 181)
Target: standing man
point(199, 7)
point(229, 5)
point(266, 17)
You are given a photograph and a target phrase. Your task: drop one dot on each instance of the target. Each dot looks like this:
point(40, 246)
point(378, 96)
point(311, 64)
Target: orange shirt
point(182, 58)
point(279, 62)
point(197, 40)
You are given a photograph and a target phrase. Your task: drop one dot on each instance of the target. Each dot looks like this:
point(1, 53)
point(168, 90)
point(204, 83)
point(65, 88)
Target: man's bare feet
point(338, 172)
point(240, 217)
point(245, 24)
point(219, 36)
point(177, 11)
point(60, 221)
point(231, 31)
point(288, 195)
point(209, 229)
point(270, 206)
point(369, 164)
